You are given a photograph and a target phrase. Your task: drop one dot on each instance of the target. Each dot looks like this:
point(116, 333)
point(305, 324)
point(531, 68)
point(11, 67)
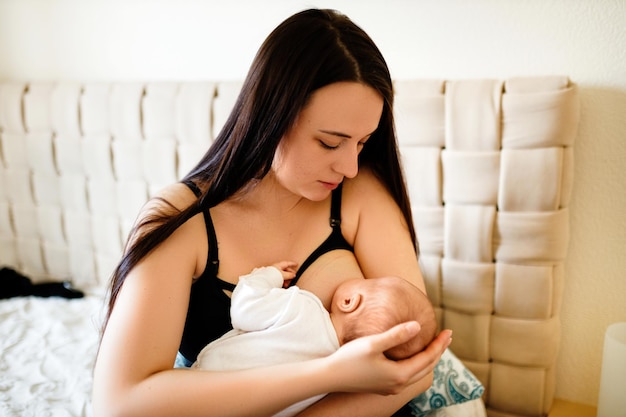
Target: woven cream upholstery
point(488, 163)
point(489, 166)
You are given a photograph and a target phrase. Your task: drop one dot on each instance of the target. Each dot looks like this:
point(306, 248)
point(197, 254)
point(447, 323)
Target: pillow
point(453, 383)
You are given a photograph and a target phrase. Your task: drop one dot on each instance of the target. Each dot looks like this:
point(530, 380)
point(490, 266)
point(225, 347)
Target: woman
point(311, 136)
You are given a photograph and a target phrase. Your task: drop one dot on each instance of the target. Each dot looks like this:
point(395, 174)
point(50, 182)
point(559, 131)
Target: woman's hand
point(361, 366)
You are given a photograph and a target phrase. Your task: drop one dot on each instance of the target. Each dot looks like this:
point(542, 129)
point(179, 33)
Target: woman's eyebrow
point(335, 133)
point(340, 134)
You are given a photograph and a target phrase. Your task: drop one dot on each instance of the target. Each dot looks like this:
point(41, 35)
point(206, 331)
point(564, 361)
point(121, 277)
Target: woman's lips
point(330, 185)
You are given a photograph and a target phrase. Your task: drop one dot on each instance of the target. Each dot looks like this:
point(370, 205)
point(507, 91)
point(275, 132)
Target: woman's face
point(323, 146)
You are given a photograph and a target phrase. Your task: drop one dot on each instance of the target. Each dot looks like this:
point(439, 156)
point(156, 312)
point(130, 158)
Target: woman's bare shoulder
point(363, 197)
point(168, 201)
point(173, 197)
point(364, 188)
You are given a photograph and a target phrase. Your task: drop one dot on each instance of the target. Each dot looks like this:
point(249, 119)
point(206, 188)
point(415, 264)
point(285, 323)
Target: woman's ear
point(349, 303)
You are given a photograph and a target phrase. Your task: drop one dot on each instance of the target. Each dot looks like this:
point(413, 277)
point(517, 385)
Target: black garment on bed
point(14, 284)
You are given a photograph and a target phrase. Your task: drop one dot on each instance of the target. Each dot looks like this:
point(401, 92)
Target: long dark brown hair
point(307, 51)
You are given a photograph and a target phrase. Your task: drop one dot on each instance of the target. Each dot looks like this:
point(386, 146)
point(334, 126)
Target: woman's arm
point(381, 238)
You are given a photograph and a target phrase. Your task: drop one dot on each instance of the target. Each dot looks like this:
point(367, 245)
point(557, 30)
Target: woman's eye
point(327, 146)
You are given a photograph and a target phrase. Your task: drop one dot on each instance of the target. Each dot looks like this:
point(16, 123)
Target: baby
point(272, 324)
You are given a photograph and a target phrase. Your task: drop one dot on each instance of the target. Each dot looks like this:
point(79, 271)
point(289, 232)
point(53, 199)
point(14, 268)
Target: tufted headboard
point(489, 165)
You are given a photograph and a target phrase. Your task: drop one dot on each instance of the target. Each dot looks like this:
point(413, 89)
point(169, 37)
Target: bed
point(489, 166)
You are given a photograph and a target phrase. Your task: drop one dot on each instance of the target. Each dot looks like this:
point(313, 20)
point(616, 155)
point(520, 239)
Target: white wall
point(192, 39)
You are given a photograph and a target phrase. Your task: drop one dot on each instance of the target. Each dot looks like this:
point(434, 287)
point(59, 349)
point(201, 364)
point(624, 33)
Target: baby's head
point(362, 307)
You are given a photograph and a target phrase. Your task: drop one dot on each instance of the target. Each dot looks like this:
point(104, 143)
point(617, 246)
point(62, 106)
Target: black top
point(208, 316)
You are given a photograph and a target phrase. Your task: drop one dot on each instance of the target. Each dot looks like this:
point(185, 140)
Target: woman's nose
point(348, 162)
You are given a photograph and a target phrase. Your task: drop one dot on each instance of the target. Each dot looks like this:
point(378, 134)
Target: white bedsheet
point(48, 347)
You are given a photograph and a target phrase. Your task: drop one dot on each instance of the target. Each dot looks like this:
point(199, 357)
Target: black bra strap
point(335, 207)
point(334, 241)
point(193, 187)
point(213, 261)
point(225, 285)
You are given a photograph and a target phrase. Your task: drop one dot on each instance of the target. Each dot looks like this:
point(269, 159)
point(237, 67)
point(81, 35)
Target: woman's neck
point(267, 196)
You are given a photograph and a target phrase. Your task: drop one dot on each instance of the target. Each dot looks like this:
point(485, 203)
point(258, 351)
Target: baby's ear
point(349, 304)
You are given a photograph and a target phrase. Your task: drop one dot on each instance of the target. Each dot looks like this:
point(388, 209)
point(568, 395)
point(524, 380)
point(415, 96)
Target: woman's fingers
point(418, 366)
point(425, 361)
point(395, 336)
